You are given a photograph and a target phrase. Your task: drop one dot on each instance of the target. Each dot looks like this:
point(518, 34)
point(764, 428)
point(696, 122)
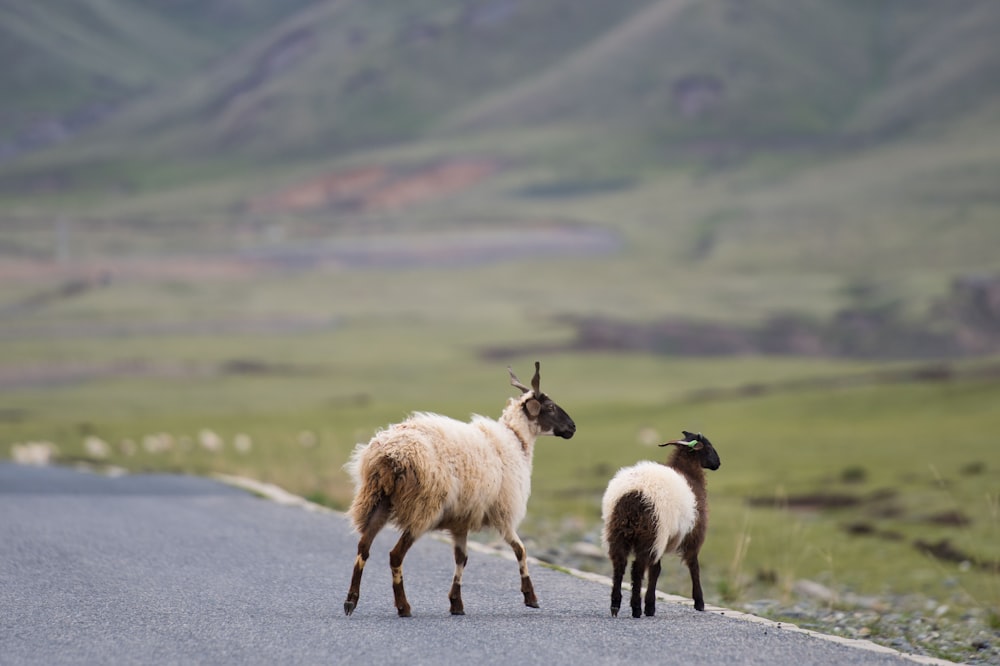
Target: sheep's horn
point(537, 379)
point(514, 381)
point(681, 442)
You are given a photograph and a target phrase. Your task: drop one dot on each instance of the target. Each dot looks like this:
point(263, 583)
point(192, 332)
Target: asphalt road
point(159, 569)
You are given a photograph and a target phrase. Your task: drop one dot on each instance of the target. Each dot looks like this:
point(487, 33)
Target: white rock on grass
point(159, 442)
point(96, 447)
point(209, 440)
point(242, 443)
point(585, 549)
point(33, 453)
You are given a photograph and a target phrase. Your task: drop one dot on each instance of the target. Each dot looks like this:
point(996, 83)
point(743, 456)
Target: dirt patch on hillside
point(377, 188)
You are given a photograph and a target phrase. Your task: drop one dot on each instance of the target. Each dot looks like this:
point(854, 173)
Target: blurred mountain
point(111, 87)
point(69, 65)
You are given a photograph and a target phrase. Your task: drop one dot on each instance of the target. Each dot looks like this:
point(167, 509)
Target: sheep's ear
point(537, 379)
point(533, 408)
point(515, 382)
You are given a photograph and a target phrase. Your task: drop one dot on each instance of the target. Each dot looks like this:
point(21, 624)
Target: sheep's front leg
point(396, 556)
point(527, 589)
point(461, 559)
point(654, 574)
point(699, 600)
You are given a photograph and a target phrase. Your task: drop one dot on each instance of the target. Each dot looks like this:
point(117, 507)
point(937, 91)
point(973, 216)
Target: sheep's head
point(697, 444)
point(539, 408)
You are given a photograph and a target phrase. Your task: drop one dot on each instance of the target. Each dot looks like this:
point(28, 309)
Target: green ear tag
point(693, 443)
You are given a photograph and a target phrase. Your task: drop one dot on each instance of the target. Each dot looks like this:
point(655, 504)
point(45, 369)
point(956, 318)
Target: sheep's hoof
point(349, 607)
point(404, 611)
point(614, 611)
point(531, 604)
point(457, 612)
point(636, 612)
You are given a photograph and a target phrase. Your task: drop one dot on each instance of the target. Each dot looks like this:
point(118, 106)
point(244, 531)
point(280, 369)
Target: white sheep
point(650, 509)
point(431, 472)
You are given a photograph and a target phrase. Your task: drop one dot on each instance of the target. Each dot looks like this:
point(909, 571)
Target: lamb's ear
point(537, 379)
point(515, 382)
point(533, 407)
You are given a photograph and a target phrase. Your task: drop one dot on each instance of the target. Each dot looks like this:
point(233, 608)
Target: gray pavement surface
point(160, 569)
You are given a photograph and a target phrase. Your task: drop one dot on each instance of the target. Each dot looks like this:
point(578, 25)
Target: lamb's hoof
point(614, 611)
point(457, 612)
point(531, 604)
point(699, 607)
point(636, 612)
point(650, 611)
point(349, 607)
point(404, 611)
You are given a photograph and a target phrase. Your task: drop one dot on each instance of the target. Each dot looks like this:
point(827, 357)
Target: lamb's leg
point(376, 521)
point(638, 569)
point(396, 556)
point(654, 574)
point(692, 564)
point(619, 561)
point(527, 589)
point(461, 558)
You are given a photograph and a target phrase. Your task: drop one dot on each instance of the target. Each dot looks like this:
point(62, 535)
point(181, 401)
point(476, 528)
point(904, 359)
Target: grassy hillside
point(70, 65)
point(711, 80)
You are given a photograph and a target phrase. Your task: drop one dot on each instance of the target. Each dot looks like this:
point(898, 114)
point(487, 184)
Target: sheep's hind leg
point(638, 570)
point(396, 556)
point(527, 589)
point(461, 558)
point(654, 574)
point(376, 521)
point(619, 561)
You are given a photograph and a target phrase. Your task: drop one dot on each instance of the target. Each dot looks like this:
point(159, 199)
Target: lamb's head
point(697, 445)
point(539, 409)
